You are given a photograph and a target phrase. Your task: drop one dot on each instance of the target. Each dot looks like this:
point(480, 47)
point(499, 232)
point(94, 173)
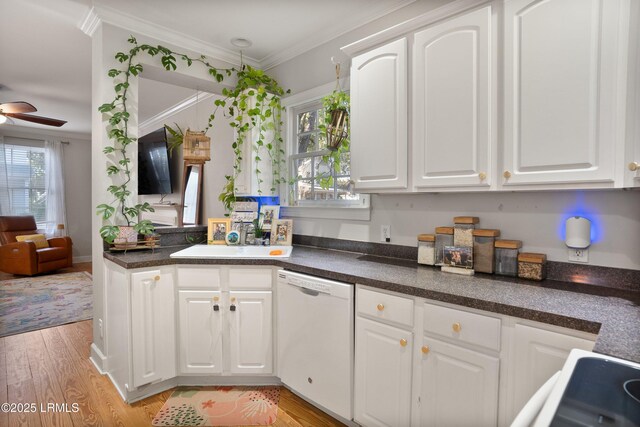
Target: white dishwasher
point(315, 339)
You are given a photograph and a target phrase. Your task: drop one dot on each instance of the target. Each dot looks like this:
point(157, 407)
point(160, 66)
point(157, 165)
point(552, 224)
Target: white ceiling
point(45, 59)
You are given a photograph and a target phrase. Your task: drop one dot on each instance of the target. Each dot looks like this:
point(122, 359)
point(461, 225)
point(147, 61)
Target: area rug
point(220, 406)
point(40, 302)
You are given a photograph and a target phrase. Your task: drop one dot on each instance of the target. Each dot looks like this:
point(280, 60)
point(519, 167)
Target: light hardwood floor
point(52, 366)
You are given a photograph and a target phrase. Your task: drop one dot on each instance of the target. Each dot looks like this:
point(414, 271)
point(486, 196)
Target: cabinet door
point(250, 336)
point(538, 354)
point(200, 332)
point(152, 327)
point(458, 387)
point(383, 374)
point(453, 98)
point(379, 118)
point(561, 61)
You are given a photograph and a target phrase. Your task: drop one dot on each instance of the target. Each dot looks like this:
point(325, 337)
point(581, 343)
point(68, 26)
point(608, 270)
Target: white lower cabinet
point(200, 332)
point(458, 387)
point(383, 374)
point(152, 327)
point(537, 355)
point(250, 337)
point(226, 329)
point(450, 366)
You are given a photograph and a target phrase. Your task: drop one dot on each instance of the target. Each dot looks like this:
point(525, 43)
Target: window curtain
point(5, 200)
point(54, 173)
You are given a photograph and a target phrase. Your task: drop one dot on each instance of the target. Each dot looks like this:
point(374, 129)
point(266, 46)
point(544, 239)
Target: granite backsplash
point(617, 278)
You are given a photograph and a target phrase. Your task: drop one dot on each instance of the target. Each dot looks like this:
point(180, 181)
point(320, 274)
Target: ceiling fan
point(18, 110)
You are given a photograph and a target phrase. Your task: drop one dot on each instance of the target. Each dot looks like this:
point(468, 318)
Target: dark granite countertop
point(612, 314)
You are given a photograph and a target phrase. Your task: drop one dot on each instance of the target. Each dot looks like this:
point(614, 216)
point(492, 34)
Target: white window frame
point(329, 209)
point(35, 145)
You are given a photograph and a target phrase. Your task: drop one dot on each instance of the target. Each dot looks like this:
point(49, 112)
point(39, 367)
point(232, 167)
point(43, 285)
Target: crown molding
point(160, 118)
point(101, 13)
point(445, 11)
point(90, 23)
point(322, 37)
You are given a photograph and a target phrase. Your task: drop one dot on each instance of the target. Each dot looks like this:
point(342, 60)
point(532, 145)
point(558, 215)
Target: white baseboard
point(98, 359)
point(84, 258)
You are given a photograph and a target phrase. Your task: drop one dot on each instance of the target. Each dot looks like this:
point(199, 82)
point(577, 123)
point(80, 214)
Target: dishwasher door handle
point(309, 292)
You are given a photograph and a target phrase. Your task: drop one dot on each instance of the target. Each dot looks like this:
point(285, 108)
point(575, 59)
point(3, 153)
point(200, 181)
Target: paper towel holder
point(578, 232)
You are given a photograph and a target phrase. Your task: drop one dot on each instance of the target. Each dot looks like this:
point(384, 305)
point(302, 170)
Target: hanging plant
point(336, 126)
point(253, 104)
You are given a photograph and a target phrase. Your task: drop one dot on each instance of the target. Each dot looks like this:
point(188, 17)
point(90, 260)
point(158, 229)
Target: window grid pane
point(308, 167)
point(26, 181)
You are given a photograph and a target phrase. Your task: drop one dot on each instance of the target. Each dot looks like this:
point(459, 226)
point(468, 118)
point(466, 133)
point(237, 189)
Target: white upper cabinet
point(379, 118)
point(562, 91)
point(453, 102)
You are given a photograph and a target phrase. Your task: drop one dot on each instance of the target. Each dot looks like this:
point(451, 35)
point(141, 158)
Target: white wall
point(77, 166)
point(534, 217)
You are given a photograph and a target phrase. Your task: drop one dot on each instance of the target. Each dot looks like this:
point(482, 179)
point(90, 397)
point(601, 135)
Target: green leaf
point(121, 56)
point(135, 69)
point(144, 227)
point(113, 72)
point(105, 211)
point(112, 170)
point(169, 62)
point(108, 150)
point(105, 108)
point(109, 232)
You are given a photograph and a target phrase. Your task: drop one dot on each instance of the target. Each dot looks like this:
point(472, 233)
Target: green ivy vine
point(253, 104)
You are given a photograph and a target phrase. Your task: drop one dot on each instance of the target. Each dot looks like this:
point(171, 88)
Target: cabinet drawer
point(199, 277)
point(250, 278)
point(483, 331)
point(385, 307)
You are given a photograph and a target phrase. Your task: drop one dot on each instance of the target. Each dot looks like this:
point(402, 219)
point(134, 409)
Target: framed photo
point(269, 213)
point(458, 256)
point(218, 229)
point(282, 232)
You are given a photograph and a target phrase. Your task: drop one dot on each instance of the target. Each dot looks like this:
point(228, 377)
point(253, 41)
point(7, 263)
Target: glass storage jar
point(427, 249)
point(532, 266)
point(507, 257)
point(483, 250)
point(463, 230)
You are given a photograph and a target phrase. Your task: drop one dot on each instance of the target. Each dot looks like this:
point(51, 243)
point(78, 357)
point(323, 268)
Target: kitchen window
point(314, 175)
point(24, 191)
point(317, 187)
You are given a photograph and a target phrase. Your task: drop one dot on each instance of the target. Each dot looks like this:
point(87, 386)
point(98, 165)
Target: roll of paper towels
point(578, 232)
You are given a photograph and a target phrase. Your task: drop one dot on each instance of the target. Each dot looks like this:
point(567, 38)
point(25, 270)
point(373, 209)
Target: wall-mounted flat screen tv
point(154, 168)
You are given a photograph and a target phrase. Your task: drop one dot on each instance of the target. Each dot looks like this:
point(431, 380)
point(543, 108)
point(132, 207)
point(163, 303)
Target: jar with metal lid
point(483, 250)
point(427, 249)
point(507, 257)
point(532, 266)
point(444, 237)
point(463, 230)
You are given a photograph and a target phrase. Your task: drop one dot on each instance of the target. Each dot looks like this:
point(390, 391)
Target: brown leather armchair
point(23, 257)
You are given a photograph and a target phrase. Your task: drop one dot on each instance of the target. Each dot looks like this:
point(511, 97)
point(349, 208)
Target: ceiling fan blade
point(17, 107)
point(36, 119)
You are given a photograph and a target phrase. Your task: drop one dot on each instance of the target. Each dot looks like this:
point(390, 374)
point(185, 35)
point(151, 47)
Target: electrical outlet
point(385, 233)
point(578, 255)
point(100, 328)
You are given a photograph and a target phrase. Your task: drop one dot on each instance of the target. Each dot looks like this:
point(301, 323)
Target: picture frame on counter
point(217, 229)
point(458, 256)
point(269, 213)
point(282, 232)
